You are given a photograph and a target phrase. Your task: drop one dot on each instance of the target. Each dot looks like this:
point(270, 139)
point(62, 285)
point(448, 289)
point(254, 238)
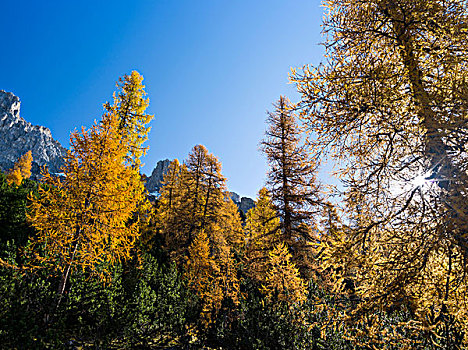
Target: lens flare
point(420, 180)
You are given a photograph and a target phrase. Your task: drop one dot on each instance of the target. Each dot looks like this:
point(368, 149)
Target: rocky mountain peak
point(9, 102)
point(17, 136)
point(244, 203)
point(154, 181)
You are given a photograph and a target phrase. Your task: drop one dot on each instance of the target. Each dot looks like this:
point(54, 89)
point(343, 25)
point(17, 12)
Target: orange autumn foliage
point(201, 228)
point(21, 170)
point(89, 218)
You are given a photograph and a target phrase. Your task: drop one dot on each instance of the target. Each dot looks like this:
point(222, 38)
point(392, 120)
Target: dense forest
point(88, 261)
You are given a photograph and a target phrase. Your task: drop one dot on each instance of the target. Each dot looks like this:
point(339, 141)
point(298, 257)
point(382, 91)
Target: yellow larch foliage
point(231, 223)
point(191, 199)
point(196, 218)
point(14, 177)
point(262, 227)
point(129, 105)
point(282, 279)
point(89, 218)
point(224, 238)
point(24, 165)
point(166, 217)
point(390, 106)
point(203, 273)
point(21, 170)
point(267, 256)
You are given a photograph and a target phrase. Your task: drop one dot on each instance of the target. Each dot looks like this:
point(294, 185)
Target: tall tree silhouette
point(291, 181)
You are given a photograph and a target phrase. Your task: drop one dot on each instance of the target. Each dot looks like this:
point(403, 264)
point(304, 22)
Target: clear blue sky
point(212, 68)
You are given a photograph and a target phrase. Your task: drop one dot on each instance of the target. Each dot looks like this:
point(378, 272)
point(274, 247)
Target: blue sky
point(211, 69)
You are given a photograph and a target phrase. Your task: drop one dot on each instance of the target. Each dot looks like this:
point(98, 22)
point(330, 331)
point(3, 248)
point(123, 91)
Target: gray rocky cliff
point(234, 197)
point(244, 203)
point(17, 136)
point(154, 181)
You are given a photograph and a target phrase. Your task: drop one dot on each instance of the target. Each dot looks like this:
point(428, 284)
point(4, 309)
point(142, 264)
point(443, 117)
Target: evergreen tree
point(13, 208)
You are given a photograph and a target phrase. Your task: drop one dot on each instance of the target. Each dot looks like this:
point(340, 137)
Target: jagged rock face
point(17, 136)
point(234, 197)
point(244, 203)
point(154, 182)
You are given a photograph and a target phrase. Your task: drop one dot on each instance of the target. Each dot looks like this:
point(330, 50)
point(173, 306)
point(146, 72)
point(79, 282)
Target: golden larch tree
point(262, 232)
point(89, 218)
point(390, 106)
point(168, 205)
point(282, 279)
point(129, 105)
point(21, 170)
point(202, 273)
point(267, 257)
point(292, 182)
point(196, 218)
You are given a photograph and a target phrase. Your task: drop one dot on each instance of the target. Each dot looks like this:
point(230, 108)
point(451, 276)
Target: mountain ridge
point(17, 136)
